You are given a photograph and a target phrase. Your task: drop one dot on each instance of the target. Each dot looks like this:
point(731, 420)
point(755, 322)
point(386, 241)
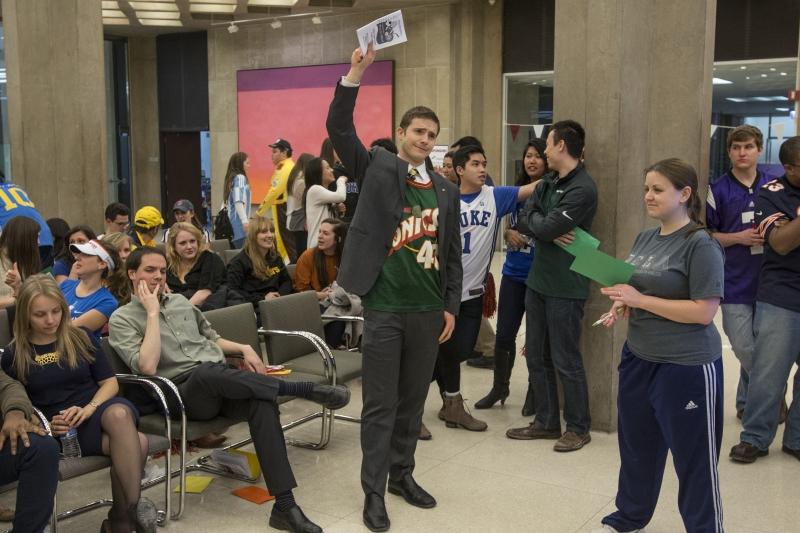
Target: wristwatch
point(94, 404)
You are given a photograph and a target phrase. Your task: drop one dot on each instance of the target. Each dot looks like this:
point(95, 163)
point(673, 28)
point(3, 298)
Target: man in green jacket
point(27, 456)
point(566, 199)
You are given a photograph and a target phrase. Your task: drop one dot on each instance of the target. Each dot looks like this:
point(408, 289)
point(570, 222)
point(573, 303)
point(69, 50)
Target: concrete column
point(478, 74)
point(145, 151)
point(637, 74)
point(57, 105)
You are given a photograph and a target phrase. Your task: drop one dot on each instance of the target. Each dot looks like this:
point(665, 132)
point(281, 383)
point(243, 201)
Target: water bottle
point(69, 444)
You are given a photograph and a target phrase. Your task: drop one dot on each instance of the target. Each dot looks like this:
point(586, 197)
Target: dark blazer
point(381, 178)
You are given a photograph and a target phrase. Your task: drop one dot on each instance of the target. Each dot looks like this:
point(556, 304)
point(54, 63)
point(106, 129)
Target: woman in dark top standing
point(193, 270)
point(670, 375)
point(258, 272)
point(68, 377)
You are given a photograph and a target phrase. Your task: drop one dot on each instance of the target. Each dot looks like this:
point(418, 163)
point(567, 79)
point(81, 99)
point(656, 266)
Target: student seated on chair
point(258, 272)
point(68, 377)
point(163, 334)
point(194, 271)
point(317, 269)
point(27, 456)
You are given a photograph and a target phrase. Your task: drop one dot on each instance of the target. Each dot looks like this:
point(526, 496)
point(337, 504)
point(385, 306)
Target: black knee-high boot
point(503, 363)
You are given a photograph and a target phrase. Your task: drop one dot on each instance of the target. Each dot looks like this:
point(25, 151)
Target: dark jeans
point(216, 389)
point(459, 347)
point(557, 321)
point(300, 242)
point(36, 471)
point(510, 310)
point(399, 353)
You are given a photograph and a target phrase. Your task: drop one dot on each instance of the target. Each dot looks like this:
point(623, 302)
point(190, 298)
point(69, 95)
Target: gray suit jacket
point(381, 178)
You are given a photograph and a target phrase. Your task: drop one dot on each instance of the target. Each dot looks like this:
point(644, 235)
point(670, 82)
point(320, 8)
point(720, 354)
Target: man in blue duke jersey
point(777, 319)
point(482, 207)
point(730, 216)
point(14, 202)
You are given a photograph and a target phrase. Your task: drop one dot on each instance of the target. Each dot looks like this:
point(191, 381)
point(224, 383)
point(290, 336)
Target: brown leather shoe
point(456, 415)
point(424, 433)
point(531, 432)
point(571, 441)
point(212, 440)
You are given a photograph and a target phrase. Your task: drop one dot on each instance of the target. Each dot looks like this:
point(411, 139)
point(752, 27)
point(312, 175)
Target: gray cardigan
point(381, 178)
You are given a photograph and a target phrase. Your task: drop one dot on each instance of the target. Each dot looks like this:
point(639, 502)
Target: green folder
point(584, 242)
point(602, 268)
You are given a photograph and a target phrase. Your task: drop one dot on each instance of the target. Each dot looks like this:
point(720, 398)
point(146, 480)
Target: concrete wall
point(57, 105)
point(637, 74)
point(145, 150)
point(441, 66)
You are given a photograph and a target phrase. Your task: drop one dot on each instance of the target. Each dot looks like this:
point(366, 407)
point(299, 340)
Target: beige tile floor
point(483, 482)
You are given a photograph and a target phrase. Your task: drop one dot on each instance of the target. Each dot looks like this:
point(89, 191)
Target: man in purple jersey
point(730, 212)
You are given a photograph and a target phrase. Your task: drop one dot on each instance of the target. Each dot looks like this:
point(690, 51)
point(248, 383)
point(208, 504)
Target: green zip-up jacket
point(557, 206)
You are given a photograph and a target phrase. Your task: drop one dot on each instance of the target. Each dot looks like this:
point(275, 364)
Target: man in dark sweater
point(566, 199)
point(28, 456)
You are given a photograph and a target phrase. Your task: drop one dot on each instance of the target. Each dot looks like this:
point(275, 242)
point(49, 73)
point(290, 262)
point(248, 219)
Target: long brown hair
point(297, 171)
point(115, 279)
point(339, 233)
point(173, 259)
point(19, 243)
point(235, 167)
point(681, 174)
point(72, 343)
point(253, 251)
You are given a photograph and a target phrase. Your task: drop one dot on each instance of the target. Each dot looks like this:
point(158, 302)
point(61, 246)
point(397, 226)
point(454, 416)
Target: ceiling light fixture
point(276, 24)
point(316, 19)
point(743, 67)
point(783, 74)
point(233, 28)
point(720, 81)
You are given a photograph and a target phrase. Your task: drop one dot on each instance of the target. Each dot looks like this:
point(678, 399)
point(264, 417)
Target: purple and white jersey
point(730, 207)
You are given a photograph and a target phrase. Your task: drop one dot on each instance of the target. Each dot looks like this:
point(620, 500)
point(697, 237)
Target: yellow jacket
point(277, 190)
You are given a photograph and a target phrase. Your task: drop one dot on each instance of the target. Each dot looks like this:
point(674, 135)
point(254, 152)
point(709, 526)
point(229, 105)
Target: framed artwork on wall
point(292, 103)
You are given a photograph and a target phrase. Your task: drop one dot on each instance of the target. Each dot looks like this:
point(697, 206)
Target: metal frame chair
point(87, 465)
point(291, 324)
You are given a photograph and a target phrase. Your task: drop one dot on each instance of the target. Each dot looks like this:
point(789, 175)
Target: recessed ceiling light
point(158, 15)
point(160, 22)
point(773, 69)
point(737, 100)
point(153, 6)
point(743, 67)
point(747, 77)
point(233, 28)
point(783, 74)
point(763, 75)
point(316, 19)
point(114, 21)
point(720, 81)
point(212, 8)
point(272, 3)
point(276, 24)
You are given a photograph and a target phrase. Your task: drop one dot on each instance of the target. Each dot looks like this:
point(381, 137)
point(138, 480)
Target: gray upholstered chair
point(227, 255)
point(294, 337)
point(219, 245)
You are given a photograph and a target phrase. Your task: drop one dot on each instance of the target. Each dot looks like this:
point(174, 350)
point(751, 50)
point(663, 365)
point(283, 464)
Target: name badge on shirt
point(748, 217)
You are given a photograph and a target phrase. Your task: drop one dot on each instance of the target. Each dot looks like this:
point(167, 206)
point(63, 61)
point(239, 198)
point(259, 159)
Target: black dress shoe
point(292, 520)
point(375, 517)
point(330, 396)
point(793, 453)
point(411, 492)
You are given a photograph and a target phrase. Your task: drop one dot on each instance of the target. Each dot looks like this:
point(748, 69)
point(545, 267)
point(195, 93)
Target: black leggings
point(458, 349)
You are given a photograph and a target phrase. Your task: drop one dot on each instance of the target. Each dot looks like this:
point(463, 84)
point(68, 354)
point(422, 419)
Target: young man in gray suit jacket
point(403, 256)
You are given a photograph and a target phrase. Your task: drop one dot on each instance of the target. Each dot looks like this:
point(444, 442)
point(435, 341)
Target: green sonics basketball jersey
point(409, 280)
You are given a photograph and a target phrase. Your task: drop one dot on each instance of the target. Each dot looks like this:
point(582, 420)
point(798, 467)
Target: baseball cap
point(93, 248)
point(281, 144)
point(148, 217)
point(183, 205)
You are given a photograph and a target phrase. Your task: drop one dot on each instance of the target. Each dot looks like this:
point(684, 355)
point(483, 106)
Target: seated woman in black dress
point(68, 377)
point(258, 272)
point(193, 270)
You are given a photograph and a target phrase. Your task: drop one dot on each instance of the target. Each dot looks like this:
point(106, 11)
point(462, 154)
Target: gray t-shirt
point(677, 266)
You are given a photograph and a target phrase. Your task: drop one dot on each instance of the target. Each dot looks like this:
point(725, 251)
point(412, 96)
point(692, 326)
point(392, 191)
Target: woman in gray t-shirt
point(670, 376)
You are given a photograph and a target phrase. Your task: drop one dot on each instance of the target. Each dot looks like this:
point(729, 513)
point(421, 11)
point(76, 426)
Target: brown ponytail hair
point(681, 174)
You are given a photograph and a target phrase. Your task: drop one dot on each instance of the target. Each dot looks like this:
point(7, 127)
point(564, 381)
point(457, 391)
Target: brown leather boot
point(456, 415)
